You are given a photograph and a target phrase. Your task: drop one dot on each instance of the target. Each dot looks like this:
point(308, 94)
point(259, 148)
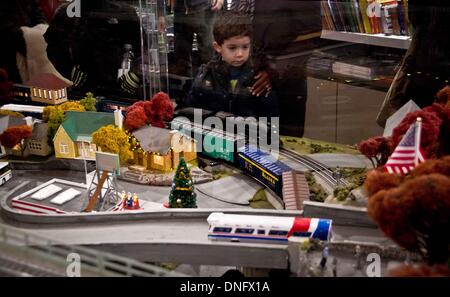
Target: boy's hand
point(216, 5)
point(262, 84)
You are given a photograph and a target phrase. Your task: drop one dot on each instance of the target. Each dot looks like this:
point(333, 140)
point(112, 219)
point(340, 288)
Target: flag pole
point(417, 142)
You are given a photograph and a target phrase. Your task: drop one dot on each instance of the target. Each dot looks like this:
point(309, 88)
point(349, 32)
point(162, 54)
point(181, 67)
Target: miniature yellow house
point(163, 148)
point(73, 139)
point(48, 88)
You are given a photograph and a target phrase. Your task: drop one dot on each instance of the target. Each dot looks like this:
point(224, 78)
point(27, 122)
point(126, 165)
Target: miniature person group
point(128, 201)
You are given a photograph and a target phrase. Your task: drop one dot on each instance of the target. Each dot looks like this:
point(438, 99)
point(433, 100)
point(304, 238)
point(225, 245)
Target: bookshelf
point(393, 41)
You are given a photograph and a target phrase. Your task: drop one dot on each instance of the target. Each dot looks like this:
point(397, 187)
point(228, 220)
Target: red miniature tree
point(15, 136)
point(416, 215)
point(431, 124)
point(443, 96)
point(421, 271)
point(154, 112)
point(161, 110)
point(442, 145)
point(376, 149)
point(378, 180)
point(441, 166)
point(135, 118)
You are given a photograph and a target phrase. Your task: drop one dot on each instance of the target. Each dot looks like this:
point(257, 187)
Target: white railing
point(96, 262)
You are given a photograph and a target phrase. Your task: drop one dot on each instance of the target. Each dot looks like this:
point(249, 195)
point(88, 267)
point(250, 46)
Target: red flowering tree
point(441, 166)
point(14, 136)
point(431, 124)
point(135, 116)
point(440, 270)
point(416, 215)
point(161, 110)
point(442, 146)
point(376, 149)
point(377, 180)
point(154, 112)
point(443, 96)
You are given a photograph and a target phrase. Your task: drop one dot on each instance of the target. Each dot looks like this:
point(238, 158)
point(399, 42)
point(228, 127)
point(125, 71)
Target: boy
point(224, 84)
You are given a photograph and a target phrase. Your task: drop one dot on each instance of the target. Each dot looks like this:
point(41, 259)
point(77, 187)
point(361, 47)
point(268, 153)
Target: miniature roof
point(40, 132)
point(48, 81)
point(7, 121)
point(154, 139)
point(80, 125)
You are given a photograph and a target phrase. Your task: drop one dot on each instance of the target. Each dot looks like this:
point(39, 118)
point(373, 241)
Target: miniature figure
point(337, 175)
point(135, 201)
point(358, 256)
point(334, 266)
point(129, 203)
point(323, 261)
point(123, 198)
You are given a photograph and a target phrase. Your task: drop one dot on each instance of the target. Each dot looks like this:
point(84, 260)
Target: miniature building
point(163, 148)
point(73, 139)
point(38, 143)
point(5, 123)
point(48, 88)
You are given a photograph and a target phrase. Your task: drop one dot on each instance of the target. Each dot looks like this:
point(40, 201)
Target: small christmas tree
point(182, 194)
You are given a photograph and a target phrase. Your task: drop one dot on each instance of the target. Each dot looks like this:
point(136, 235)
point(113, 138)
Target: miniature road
point(235, 191)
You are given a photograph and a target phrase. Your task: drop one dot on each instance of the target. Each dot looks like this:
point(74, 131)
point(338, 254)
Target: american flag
point(408, 154)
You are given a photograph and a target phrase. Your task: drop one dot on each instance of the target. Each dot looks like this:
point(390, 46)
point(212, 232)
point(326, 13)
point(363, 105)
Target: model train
point(266, 229)
point(237, 150)
point(213, 143)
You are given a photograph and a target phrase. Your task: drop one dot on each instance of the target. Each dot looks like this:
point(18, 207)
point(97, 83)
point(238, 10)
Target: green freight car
point(215, 143)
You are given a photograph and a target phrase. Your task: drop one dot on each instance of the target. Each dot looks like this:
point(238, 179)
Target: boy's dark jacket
point(189, 6)
point(211, 90)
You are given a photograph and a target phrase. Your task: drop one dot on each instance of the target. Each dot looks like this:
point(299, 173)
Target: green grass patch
point(310, 146)
point(317, 193)
point(260, 201)
point(168, 266)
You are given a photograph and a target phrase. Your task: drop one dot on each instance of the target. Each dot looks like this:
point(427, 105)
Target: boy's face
point(235, 50)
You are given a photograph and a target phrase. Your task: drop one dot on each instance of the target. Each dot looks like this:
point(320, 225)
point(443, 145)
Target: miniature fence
point(97, 262)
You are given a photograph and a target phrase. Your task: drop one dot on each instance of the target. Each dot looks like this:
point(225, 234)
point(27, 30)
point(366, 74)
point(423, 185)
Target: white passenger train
point(267, 229)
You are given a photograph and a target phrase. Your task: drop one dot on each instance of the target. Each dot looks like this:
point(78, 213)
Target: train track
point(321, 171)
point(318, 168)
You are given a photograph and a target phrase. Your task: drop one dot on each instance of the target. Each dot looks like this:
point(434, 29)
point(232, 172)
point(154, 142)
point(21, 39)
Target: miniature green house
point(73, 140)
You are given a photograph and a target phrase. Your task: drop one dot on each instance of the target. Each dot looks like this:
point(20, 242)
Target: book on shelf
point(327, 19)
point(366, 16)
point(358, 16)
